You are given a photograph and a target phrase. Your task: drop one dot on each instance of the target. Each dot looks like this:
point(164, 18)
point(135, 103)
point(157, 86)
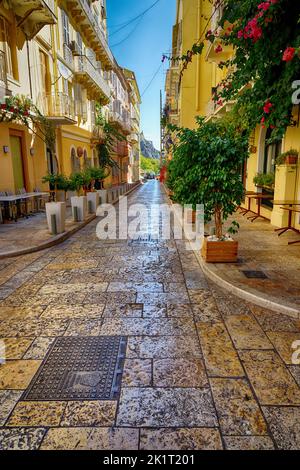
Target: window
point(45, 74)
point(66, 27)
point(79, 43)
point(7, 46)
point(272, 151)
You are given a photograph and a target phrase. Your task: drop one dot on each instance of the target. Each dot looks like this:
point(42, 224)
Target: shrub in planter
point(56, 182)
point(264, 180)
point(79, 181)
point(206, 169)
point(289, 158)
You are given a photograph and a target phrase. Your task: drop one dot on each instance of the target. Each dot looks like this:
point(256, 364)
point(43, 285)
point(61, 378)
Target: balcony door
point(17, 161)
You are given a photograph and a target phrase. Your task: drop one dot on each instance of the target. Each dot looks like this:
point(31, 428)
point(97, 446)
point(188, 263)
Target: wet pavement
point(202, 370)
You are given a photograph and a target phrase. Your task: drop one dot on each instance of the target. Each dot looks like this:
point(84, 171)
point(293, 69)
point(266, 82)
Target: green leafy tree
point(206, 169)
point(150, 165)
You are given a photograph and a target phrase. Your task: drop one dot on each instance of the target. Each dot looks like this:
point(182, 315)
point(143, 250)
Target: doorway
point(17, 162)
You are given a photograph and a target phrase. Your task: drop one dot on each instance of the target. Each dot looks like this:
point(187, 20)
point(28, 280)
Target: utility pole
point(161, 130)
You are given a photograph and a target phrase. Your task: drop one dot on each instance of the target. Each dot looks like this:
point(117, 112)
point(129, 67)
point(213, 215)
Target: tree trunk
point(218, 222)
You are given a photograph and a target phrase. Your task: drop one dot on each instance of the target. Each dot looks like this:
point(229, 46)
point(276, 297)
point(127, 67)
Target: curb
point(241, 293)
point(58, 238)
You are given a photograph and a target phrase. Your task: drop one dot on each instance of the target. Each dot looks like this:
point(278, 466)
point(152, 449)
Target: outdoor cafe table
point(19, 197)
point(243, 210)
point(291, 207)
point(259, 197)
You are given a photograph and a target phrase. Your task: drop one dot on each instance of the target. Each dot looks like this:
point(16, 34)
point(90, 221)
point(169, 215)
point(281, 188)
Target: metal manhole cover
point(143, 239)
point(80, 368)
point(255, 274)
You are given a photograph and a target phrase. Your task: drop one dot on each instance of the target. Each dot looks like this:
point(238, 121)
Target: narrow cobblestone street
point(203, 369)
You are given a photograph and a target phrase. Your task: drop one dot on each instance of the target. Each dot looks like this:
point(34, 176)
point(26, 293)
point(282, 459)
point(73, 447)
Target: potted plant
point(79, 181)
point(93, 197)
point(206, 169)
point(288, 158)
point(264, 180)
point(56, 208)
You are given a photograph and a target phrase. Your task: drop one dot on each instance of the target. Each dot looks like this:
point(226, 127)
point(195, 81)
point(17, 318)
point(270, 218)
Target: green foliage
point(111, 137)
point(206, 169)
point(234, 228)
point(259, 60)
point(264, 179)
point(56, 180)
point(79, 181)
point(265, 37)
point(20, 109)
point(97, 173)
point(150, 165)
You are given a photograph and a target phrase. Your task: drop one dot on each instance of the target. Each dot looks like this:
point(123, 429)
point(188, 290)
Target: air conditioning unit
point(74, 48)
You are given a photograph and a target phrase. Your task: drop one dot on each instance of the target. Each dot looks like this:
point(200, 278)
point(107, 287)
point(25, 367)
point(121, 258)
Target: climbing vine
point(108, 138)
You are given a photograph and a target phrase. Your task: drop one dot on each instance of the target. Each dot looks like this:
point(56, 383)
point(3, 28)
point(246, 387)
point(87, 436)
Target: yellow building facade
point(190, 95)
point(55, 52)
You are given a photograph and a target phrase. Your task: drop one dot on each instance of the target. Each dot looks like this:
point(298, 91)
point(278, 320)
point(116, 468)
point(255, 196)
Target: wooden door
point(17, 162)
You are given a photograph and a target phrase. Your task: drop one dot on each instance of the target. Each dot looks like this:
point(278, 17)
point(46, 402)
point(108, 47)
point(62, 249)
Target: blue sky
point(142, 44)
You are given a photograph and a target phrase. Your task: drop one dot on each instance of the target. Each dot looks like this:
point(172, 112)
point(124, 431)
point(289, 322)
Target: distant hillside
point(148, 149)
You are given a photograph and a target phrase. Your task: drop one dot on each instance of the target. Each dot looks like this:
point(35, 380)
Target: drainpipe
point(29, 68)
point(198, 67)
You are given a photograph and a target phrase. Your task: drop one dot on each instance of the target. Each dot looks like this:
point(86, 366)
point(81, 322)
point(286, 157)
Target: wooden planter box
point(219, 252)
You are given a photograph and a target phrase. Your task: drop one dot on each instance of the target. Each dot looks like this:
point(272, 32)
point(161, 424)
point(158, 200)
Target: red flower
point(289, 54)
point(267, 107)
point(3, 106)
point(264, 6)
point(218, 49)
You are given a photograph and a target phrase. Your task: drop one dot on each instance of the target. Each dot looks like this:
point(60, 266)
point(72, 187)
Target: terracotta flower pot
point(291, 159)
point(219, 252)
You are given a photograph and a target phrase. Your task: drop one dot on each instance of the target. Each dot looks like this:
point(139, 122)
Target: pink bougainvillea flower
point(264, 6)
point(289, 54)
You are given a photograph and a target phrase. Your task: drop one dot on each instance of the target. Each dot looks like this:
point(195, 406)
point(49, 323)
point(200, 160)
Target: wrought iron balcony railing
point(58, 107)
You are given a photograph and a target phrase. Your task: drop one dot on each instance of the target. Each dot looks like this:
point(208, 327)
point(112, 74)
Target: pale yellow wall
point(36, 164)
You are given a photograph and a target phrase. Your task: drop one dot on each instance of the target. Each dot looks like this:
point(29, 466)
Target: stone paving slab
point(260, 249)
point(203, 369)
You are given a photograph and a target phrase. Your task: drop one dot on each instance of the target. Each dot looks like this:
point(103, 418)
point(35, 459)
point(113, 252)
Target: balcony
point(82, 14)
point(215, 112)
point(92, 79)
point(3, 77)
point(33, 15)
point(124, 124)
point(58, 107)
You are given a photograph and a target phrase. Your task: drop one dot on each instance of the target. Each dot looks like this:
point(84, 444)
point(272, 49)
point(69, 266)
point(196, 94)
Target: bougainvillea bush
point(265, 36)
point(266, 41)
